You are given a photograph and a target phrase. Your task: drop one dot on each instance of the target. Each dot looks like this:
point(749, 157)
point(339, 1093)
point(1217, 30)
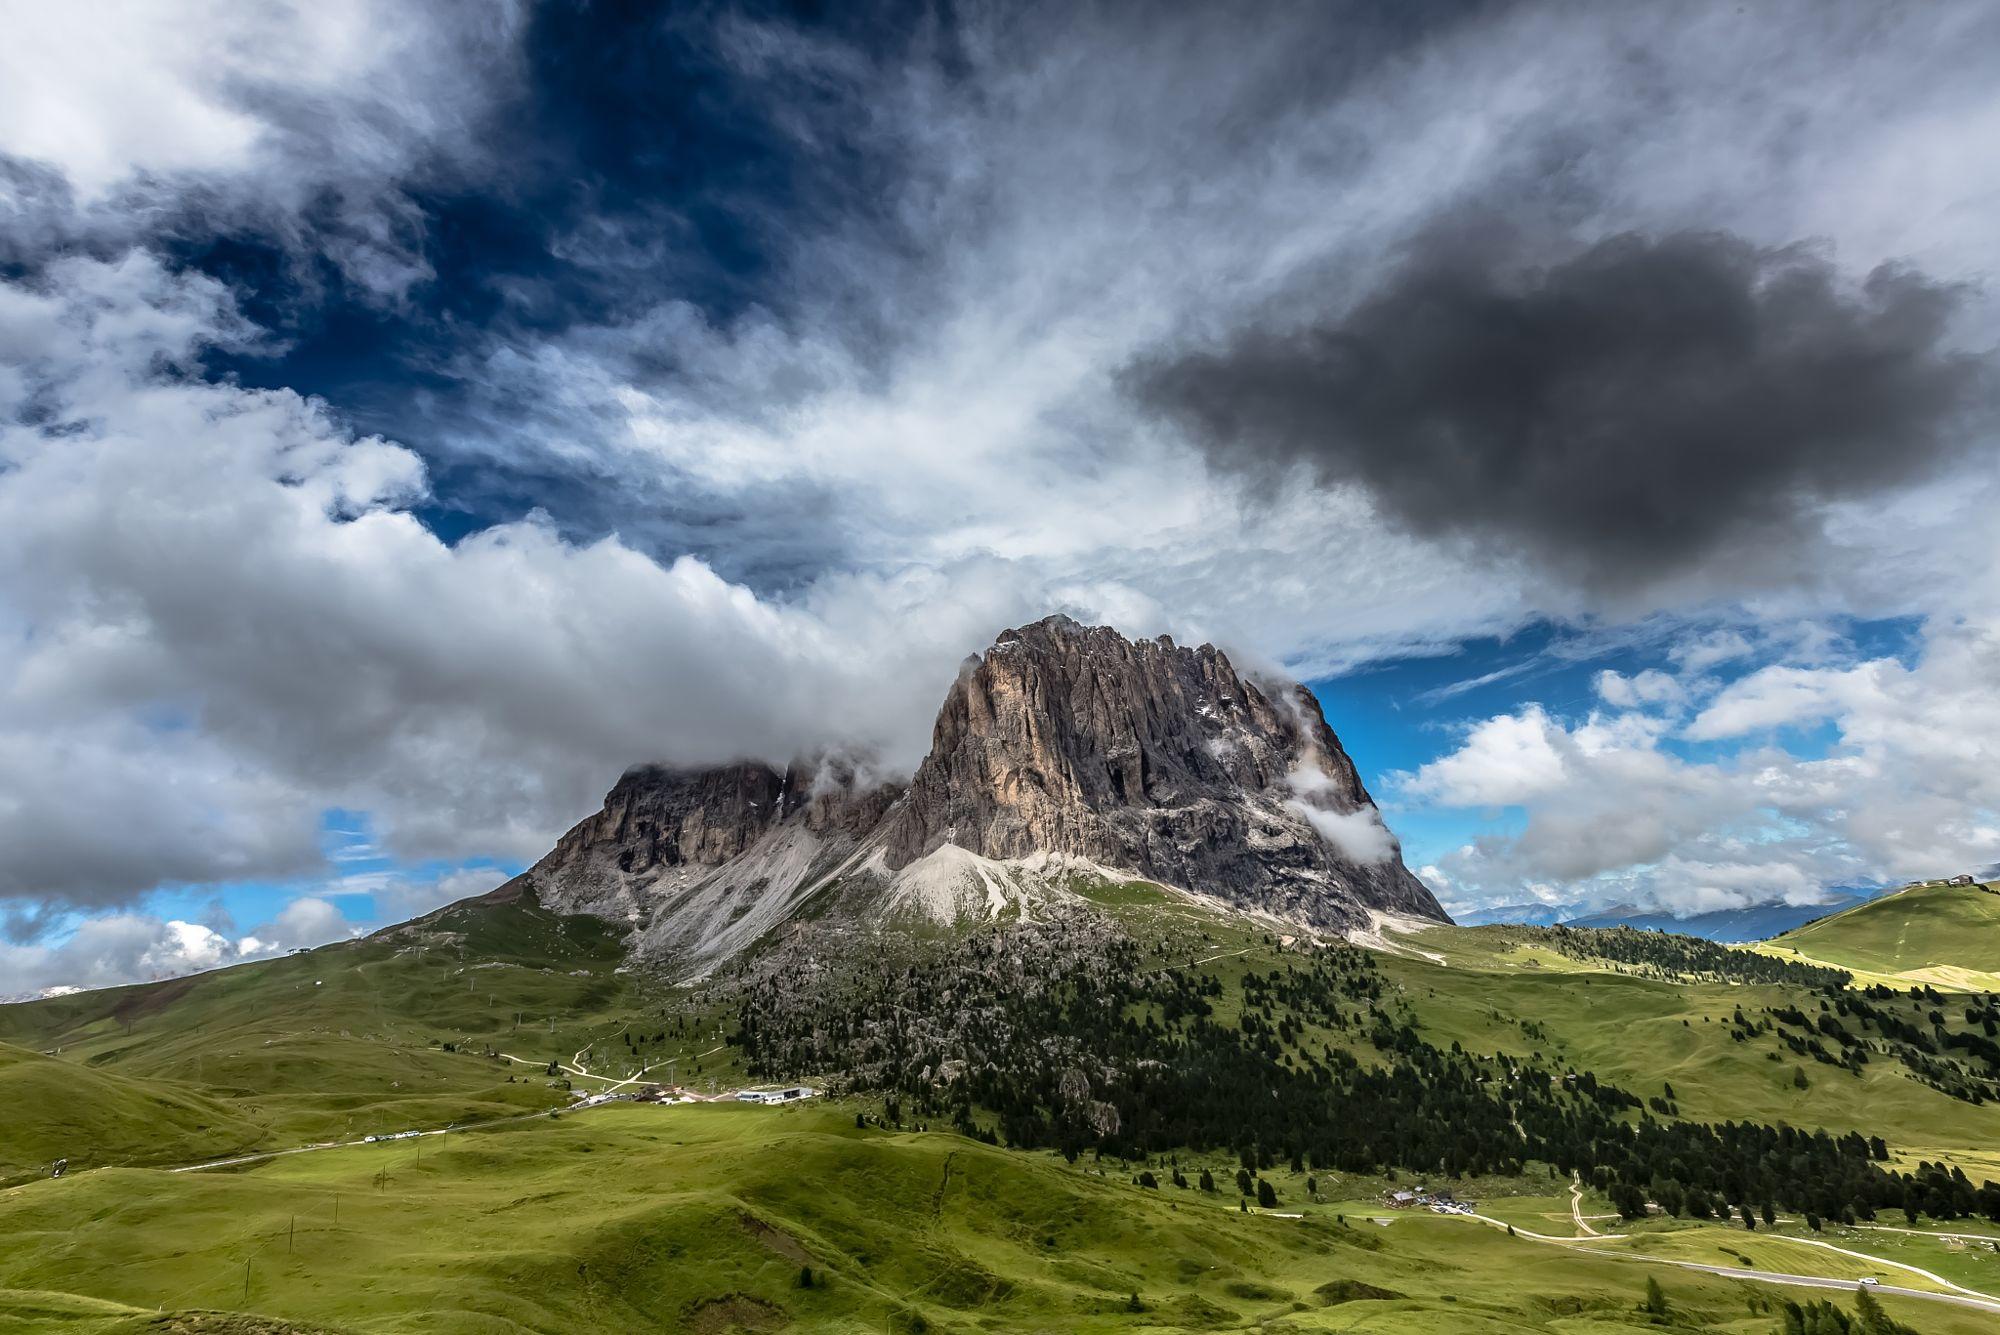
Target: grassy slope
point(345, 1040)
point(1643, 1033)
point(1485, 989)
point(1944, 935)
point(493, 1230)
point(699, 1218)
point(56, 1109)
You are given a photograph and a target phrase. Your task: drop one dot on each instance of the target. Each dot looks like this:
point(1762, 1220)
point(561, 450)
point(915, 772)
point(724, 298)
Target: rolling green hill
point(706, 1218)
point(700, 1217)
point(56, 1109)
point(400, 1030)
point(1945, 935)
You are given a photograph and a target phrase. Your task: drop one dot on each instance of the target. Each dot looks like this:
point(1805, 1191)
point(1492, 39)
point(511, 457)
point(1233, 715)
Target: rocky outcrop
point(703, 862)
point(1061, 743)
point(1156, 758)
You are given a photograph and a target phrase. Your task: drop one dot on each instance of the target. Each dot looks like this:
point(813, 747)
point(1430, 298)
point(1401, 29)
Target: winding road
point(1979, 1303)
point(1960, 1295)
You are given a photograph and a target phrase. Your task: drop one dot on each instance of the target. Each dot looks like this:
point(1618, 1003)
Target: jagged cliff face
point(1159, 759)
point(1062, 743)
point(702, 863)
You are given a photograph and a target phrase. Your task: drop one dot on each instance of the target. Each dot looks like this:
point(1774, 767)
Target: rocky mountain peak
point(1060, 744)
point(1157, 758)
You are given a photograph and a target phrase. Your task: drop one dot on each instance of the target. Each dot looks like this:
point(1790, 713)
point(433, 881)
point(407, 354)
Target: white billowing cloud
point(112, 90)
point(305, 922)
point(132, 92)
point(222, 586)
point(1650, 687)
point(87, 803)
point(110, 950)
point(1781, 696)
point(1509, 759)
point(1359, 835)
point(1910, 788)
point(943, 378)
point(130, 109)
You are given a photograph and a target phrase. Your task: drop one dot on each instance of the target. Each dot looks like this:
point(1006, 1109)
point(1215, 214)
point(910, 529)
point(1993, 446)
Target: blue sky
point(1402, 714)
point(412, 417)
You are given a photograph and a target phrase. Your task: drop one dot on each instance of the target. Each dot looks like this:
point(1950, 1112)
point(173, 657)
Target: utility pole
point(246, 1281)
point(291, 1233)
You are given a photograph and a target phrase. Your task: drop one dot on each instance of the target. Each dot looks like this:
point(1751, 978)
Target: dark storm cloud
point(1619, 415)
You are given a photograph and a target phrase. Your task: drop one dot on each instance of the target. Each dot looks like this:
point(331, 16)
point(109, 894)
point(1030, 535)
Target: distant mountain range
point(1756, 923)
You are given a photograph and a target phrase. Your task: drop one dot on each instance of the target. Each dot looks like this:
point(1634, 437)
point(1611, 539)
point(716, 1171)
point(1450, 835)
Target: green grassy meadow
point(702, 1217)
point(1488, 991)
point(1945, 935)
point(337, 1043)
point(57, 1109)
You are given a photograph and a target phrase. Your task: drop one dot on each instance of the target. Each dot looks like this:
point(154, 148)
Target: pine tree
point(1656, 1298)
point(1873, 1320)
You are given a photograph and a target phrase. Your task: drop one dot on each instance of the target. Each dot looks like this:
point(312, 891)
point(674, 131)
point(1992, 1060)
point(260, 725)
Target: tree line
point(1066, 1034)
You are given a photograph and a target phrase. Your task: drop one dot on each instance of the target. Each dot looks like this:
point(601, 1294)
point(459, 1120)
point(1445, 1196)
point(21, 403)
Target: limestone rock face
point(662, 817)
point(1060, 743)
point(1156, 758)
point(703, 862)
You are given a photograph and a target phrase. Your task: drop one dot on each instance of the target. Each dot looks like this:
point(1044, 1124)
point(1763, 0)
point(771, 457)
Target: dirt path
point(1576, 1207)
